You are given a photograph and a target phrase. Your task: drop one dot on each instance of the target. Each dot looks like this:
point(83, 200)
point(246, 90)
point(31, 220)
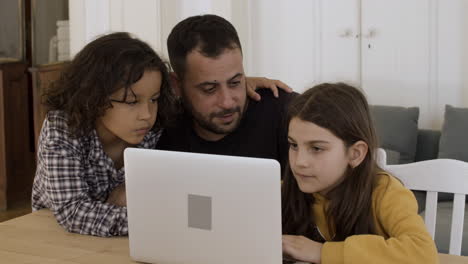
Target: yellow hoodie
point(402, 236)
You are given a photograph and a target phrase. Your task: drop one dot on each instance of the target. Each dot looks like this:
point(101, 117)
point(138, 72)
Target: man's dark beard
point(206, 124)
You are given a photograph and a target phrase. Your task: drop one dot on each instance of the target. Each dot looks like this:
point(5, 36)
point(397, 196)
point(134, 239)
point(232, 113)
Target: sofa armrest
point(428, 144)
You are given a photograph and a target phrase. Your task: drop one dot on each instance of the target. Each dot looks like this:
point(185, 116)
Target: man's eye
point(234, 84)
point(210, 90)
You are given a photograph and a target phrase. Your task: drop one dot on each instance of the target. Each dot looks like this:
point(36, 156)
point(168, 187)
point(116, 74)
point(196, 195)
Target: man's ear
point(175, 83)
point(357, 152)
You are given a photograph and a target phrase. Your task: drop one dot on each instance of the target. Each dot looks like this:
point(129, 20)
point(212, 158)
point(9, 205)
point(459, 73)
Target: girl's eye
point(292, 145)
point(131, 103)
point(154, 100)
point(316, 149)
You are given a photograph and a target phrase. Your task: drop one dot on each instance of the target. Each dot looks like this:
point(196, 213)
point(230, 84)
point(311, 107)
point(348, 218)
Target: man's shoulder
point(267, 93)
point(283, 97)
point(269, 111)
point(174, 135)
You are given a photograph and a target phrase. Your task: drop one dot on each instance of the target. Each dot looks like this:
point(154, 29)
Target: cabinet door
point(340, 45)
point(395, 53)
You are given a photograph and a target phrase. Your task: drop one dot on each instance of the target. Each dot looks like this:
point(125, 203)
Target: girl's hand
point(302, 248)
point(253, 83)
point(117, 196)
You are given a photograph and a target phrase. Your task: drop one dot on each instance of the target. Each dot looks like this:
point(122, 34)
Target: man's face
point(214, 91)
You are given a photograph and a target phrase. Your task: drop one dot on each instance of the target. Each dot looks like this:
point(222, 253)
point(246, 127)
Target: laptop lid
point(199, 208)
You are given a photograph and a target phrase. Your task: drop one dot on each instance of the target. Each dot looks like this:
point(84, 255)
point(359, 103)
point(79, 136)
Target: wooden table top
point(37, 238)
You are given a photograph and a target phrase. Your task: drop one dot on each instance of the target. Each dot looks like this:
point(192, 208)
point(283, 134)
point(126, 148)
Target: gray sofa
point(403, 142)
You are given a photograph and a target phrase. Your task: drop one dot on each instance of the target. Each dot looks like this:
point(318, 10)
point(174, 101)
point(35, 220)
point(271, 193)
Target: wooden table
point(37, 238)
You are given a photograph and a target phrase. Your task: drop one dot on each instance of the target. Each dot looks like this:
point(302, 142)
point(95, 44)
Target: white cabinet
point(340, 49)
point(396, 53)
point(389, 48)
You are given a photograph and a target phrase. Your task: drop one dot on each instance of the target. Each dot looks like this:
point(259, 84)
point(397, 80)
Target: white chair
point(433, 176)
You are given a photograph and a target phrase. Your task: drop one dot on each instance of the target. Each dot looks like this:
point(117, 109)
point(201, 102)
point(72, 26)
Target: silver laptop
point(199, 208)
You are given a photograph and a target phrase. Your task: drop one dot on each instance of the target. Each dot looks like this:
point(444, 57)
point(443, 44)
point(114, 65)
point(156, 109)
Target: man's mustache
point(226, 112)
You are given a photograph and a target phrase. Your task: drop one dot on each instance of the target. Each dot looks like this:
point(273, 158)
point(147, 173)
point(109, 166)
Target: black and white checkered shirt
point(74, 178)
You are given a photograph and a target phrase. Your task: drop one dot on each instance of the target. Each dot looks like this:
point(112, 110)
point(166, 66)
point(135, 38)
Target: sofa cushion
point(427, 147)
point(453, 141)
point(393, 157)
point(397, 129)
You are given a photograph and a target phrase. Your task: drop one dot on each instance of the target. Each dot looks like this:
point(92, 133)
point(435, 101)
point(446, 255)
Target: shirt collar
point(99, 157)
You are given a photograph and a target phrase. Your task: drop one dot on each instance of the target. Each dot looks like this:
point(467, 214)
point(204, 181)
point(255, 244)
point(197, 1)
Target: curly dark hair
point(211, 34)
point(102, 67)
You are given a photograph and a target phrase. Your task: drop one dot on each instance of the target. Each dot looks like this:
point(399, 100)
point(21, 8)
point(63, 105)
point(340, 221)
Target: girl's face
point(318, 158)
point(129, 121)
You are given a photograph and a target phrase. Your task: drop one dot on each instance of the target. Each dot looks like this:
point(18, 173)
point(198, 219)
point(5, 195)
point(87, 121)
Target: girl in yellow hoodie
point(338, 205)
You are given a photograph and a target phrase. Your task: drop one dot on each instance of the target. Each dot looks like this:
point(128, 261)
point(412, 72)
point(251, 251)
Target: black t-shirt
point(262, 132)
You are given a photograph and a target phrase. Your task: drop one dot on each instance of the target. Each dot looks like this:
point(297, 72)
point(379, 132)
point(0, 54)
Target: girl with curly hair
point(107, 99)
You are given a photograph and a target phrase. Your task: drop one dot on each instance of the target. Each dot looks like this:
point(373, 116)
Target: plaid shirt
point(74, 178)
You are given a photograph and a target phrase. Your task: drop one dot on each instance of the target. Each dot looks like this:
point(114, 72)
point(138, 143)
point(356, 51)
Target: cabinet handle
point(345, 33)
point(372, 32)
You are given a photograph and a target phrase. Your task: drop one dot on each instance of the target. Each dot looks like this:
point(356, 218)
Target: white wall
point(419, 55)
point(92, 18)
point(285, 46)
point(463, 30)
point(453, 60)
point(88, 19)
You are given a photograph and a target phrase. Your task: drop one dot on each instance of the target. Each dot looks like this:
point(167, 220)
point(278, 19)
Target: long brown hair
point(102, 67)
point(344, 111)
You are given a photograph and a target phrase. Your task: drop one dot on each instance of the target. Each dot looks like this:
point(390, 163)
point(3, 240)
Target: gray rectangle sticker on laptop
point(199, 212)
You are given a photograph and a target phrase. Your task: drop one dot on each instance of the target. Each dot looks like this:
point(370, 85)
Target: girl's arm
point(62, 181)
point(301, 248)
point(408, 240)
point(71, 202)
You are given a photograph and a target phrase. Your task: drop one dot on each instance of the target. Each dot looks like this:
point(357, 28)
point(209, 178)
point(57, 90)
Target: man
point(218, 117)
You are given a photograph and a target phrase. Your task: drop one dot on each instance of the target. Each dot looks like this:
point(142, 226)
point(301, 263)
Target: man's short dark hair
point(210, 34)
